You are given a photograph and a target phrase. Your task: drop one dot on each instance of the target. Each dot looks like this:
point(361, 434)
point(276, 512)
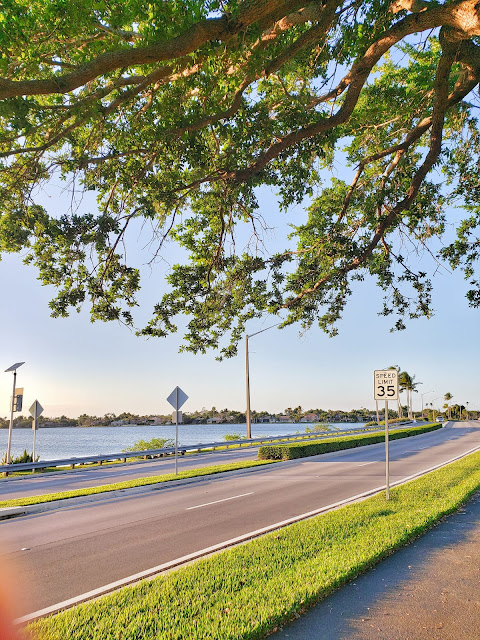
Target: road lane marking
point(206, 504)
point(365, 463)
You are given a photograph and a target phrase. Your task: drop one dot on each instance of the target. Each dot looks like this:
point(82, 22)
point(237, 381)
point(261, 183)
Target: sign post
point(177, 399)
point(13, 368)
point(385, 387)
point(35, 411)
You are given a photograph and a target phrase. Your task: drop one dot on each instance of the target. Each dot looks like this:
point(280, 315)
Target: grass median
point(131, 484)
point(247, 592)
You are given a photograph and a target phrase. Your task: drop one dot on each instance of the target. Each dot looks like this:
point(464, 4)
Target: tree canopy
point(176, 112)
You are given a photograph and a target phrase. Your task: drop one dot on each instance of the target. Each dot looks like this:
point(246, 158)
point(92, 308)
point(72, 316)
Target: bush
point(321, 427)
point(232, 436)
point(25, 457)
point(293, 451)
point(390, 421)
point(155, 443)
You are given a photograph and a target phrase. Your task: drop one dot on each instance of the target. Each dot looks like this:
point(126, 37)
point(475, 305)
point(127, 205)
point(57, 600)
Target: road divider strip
point(304, 450)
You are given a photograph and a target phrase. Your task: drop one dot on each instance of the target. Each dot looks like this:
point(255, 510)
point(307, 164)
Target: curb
point(12, 512)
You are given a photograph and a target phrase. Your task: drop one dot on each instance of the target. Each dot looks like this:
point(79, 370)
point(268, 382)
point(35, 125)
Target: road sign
point(18, 400)
point(36, 409)
point(385, 384)
point(177, 398)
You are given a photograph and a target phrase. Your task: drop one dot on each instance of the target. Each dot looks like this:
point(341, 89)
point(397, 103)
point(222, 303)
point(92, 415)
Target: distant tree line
point(230, 416)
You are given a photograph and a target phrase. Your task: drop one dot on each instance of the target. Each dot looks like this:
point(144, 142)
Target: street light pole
point(424, 394)
point(13, 368)
point(433, 406)
point(247, 376)
point(247, 370)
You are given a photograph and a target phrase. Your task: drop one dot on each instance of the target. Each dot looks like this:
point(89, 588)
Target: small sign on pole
point(35, 411)
point(177, 399)
point(385, 387)
point(18, 400)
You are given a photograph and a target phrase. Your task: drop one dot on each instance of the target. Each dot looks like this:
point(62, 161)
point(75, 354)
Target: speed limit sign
point(385, 384)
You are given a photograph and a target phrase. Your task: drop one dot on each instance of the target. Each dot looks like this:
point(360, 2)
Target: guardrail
point(5, 469)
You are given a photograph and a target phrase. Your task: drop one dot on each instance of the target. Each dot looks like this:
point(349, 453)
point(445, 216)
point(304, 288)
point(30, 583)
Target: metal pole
point(387, 461)
point(35, 426)
point(376, 408)
point(10, 426)
point(176, 431)
point(247, 372)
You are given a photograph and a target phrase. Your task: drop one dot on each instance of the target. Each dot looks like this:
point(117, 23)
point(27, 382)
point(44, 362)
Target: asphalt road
point(95, 476)
point(53, 482)
point(68, 551)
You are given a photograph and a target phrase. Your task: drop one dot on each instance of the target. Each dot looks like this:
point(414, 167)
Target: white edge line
point(207, 504)
point(149, 573)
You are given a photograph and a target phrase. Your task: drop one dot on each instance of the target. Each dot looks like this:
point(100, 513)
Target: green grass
point(302, 450)
point(131, 484)
point(248, 591)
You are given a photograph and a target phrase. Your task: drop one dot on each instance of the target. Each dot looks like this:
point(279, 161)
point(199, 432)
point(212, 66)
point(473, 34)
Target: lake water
point(52, 444)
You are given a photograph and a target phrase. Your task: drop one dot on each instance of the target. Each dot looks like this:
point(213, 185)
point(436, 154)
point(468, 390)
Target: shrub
point(322, 426)
point(25, 457)
point(390, 421)
point(145, 445)
point(232, 436)
point(297, 450)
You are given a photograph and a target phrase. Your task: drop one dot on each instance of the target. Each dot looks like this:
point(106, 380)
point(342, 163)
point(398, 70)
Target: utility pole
point(247, 379)
point(247, 371)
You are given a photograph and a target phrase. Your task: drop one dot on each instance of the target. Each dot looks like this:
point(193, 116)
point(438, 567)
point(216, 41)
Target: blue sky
point(74, 366)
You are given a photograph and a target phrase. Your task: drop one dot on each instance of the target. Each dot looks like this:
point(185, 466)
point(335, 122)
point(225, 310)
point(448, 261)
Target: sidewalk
point(429, 590)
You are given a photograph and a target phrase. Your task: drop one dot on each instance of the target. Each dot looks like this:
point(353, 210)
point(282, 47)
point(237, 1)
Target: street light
point(433, 408)
point(247, 375)
point(13, 368)
point(424, 394)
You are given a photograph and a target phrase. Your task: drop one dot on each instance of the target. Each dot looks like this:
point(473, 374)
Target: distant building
point(310, 417)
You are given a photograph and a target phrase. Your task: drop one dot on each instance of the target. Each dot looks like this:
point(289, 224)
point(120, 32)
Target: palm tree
point(413, 389)
point(447, 397)
point(404, 380)
point(407, 383)
point(399, 405)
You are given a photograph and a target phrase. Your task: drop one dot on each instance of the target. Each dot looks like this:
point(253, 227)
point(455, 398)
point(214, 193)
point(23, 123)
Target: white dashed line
point(206, 504)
